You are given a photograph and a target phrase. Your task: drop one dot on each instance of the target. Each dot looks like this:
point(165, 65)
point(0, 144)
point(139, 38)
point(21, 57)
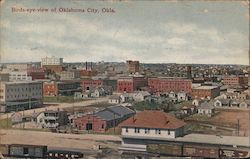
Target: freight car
point(165, 149)
point(194, 150)
point(27, 151)
point(64, 154)
point(200, 151)
point(233, 153)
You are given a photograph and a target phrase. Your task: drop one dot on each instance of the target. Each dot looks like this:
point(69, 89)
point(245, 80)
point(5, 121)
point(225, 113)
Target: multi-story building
point(22, 95)
point(37, 73)
point(61, 88)
point(130, 84)
point(18, 66)
point(235, 80)
point(133, 66)
point(52, 64)
point(19, 76)
point(147, 126)
point(51, 61)
point(205, 92)
point(4, 77)
point(70, 75)
point(89, 84)
point(168, 84)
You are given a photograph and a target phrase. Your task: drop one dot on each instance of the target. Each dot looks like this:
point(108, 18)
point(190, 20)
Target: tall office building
point(132, 66)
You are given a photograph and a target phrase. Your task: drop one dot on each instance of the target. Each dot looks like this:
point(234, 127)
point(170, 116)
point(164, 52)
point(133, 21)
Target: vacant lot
point(231, 117)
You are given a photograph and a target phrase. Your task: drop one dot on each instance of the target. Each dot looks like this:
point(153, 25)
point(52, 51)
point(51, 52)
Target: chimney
point(86, 65)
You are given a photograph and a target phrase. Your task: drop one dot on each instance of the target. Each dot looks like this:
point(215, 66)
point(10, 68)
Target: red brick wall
point(235, 81)
point(53, 68)
point(49, 89)
point(125, 85)
point(170, 84)
point(204, 93)
point(98, 125)
point(91, 84)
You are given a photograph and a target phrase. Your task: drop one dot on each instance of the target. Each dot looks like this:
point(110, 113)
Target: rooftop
point(153, 119)
point(206, 87)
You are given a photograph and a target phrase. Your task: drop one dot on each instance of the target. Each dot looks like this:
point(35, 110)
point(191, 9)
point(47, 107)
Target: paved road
point(60, 106)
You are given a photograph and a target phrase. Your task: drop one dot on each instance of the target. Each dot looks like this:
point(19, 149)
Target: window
point(126, 130)
point(147, 131)
point(137, 130)
point(102, 126)
point(168, 132)
point(157, 131)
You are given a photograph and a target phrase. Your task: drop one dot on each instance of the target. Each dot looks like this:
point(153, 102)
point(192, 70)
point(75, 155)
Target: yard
point(224, 121)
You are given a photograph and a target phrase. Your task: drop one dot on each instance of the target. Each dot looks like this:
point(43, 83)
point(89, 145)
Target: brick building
point(205, 92)
point(133, 66)
point(104, 119)
point(36, 73)
point(235, 80)
point(49, 89)
point(53, 68)
point(168, 84)
point(61, 88)
point(89, 84)
point(130, 84)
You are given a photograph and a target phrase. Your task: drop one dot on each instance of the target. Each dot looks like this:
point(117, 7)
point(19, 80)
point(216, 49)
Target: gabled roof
point(113, 112)
point(153, 119)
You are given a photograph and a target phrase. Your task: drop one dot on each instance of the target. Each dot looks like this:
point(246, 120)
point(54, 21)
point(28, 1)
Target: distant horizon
point(125, 63)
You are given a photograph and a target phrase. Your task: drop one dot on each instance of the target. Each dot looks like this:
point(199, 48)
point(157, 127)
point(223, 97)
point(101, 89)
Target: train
point(192, 150)
point(38, 151)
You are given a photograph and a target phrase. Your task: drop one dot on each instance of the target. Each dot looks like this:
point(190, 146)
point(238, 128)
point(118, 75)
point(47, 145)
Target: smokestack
point(86, 65)
point(189, 72)
point(91, 66)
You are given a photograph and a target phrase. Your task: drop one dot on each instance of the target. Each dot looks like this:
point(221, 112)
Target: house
point(172, 95)
point(182, 96)
point(141, 95)
point(188, 109)
point(206, 109)
point(114, 99)
point(197, 102)
point(103, 120)
point(222, 103)
point(98, 92)
point(149, 127)
point(244, 104)
point(51, 119)
point(125, 97)
point(235, 103)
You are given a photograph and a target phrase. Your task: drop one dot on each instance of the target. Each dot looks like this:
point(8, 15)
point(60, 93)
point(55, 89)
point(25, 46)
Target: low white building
point(206, 109)
point(148, 125)
point(140, 95)
point(114, 99)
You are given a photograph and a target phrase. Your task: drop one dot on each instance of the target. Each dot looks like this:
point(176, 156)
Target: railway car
point(165, 149)
point(200, 151)
point(27, 151)
point(64, 154)
point(233, 153)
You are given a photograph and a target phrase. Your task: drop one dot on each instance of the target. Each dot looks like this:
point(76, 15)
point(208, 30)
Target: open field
point(74, 141)
point(225, 121)
point(231, 117)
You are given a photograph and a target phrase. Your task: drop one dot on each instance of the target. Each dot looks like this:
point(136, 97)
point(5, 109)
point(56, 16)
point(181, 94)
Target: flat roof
point(206, 87)
point(20, 82)
point(204, 138)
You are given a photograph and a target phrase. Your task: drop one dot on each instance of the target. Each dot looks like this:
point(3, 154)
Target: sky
point(201, 32)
